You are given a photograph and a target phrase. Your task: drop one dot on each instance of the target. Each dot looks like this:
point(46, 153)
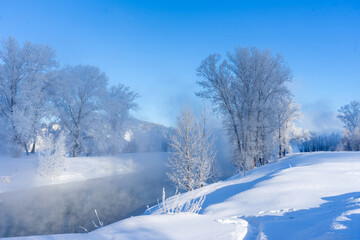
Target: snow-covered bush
point(52, 156)
point(177, 204)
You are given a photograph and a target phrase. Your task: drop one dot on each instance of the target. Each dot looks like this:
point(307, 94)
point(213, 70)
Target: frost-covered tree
point(287, 112)
point(117, 104)
point(244, 90)
point(192, 151)
point(77, 98)
point(24, 78)
point(349, 114)
point(185, 149)
point(52, 155)
point(33, 94)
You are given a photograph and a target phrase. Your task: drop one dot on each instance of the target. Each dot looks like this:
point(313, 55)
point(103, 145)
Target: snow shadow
point(268, 172)
point(338, 218)
point(224, 193)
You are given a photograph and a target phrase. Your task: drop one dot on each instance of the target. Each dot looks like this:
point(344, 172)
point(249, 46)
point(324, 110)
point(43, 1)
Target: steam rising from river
point(63, 208)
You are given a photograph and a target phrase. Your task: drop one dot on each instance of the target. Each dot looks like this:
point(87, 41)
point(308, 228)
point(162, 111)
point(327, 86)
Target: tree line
point(247, 89)
point(321, 142)
point(38, 96)
point(349, 140)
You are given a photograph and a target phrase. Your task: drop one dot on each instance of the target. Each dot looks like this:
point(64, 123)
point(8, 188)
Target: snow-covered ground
point(304, 196)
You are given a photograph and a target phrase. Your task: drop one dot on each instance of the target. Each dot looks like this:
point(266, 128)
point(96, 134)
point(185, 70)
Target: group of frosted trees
point(193, 151)
point(349, 114)
point(349, 140)
point(249, 91)
point(38, 97)
point(321, 142)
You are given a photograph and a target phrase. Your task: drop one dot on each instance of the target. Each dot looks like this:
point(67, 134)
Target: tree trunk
point(188, 169)
point(75, 150)
point(187, 157)
point(26, 149)
point(33, 149)
point(280, 150)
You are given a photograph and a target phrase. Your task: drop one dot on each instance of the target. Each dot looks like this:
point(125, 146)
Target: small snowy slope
point(304, 196)
point(300, 196)
point(22, 172)
point(160, 227)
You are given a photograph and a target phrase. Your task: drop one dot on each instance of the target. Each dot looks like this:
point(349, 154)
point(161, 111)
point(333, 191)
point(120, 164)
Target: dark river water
point(63, 208)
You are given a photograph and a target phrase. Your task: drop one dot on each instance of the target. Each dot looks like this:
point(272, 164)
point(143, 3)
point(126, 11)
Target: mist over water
point(63, 208)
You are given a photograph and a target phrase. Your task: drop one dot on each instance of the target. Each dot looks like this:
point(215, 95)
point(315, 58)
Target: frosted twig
point(100, 222)
point(83, 228)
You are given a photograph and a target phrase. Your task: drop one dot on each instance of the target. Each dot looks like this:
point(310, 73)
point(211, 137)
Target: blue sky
point(155, 46)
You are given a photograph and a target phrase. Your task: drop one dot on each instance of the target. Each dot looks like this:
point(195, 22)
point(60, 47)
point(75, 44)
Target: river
point(65, 208)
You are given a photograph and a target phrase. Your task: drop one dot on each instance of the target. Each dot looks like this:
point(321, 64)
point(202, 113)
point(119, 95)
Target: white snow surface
point(304, 196)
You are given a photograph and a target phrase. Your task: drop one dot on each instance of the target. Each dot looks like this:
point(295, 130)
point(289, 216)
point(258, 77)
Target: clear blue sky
point(155, 46)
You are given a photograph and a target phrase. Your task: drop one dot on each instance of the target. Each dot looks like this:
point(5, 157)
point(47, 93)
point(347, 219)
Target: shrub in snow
point(192, 205)
point(176, 205)
point(52, 157)
point(99, 224)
